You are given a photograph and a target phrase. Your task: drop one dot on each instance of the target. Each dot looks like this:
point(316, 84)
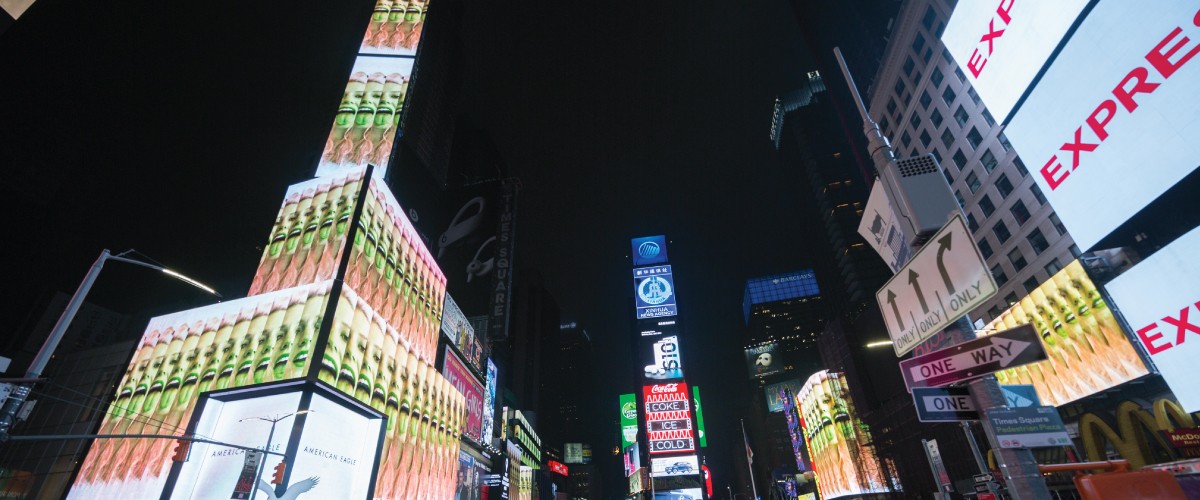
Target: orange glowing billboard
point(842, 460)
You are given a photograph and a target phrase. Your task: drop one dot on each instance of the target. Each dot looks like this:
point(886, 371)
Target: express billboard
point(1160, 298)
point(1089, 352)
point(1111, 124)
point(654, 292)
point(668, 418)
point(464, 381)
point(1002, 45)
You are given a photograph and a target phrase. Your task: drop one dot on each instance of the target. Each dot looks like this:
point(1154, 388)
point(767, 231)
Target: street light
point(9, 413)
point(270, 436)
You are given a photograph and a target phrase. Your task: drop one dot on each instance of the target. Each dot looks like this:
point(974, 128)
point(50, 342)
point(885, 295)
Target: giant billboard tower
point(327, 365)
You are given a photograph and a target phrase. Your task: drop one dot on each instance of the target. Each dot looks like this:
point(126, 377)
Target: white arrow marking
point(1002, 350)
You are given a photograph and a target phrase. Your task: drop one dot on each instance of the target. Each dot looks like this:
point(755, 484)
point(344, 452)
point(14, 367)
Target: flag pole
point(749, 459)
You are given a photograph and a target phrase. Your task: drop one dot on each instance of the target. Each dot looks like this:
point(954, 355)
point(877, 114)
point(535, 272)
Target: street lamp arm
point(179, 276)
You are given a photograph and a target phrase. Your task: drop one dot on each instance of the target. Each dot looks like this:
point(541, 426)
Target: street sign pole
point(1017, 465)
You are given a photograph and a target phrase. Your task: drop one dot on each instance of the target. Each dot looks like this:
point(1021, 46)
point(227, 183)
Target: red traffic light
point(181, 450)
point(279, 470)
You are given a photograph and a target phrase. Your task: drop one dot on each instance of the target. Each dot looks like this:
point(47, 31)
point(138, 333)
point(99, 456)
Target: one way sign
point(974, 358)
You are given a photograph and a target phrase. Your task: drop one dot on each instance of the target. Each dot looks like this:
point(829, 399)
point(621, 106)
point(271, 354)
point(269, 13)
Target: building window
point(958, 196)
point(1004, 142)
point(949, 178)
point(973, 95)
point(914, 121)
point(925, 100)
point(959, 74)
point(1037, 241)
point(1011, 299)
point(1019, 212)
point(993, 312)
point(988, 160)
point(946, 56)
point(927, 55)
point(985, 204)
point(1058, 225)
point(930, 17)
point(974, 138)
point(925, 139)
point(1037, 194)
point(985, 248)
point(936, 77)
point(961, 116)
point(884, 126)
point(1053, 267)
point(905, 140)
point(1001, 232)
point(1004, 186)
point(948, 138)
point(1020, 166)
point(909, 66)
point(960, 159)
point(918, 43)
point(1017, 259)
point(948, 95)
point(891, 106)
point(1030, 284)
point(987, 116)
point(900, 87)
point(998, 275)
point(936, 155)
point(972, 224)
point(1075, 251)
point(936, 118)
point(973, 182)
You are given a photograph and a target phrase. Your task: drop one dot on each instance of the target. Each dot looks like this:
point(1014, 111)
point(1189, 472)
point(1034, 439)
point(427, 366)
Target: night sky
point(175, 128)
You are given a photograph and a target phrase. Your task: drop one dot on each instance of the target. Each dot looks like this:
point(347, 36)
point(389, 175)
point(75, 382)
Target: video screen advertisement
point(649, 250)
point(661, 358)
point(654, 292)
point(464, 381)
point(1160, 299)
point(458, 329)
point(368, 117)
point(1106, 139)
point(842, 461)
point(764, 360)
point(668, 417)
point(395, 27)
point(1089, 351)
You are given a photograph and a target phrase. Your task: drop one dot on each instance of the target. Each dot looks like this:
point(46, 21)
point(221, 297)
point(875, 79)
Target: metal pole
point(262, 462)
point(749, 459)
point(8, 415)
point(966, 427)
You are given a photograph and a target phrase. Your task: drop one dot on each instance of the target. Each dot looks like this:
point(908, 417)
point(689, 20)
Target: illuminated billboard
point(1088, 350)
point(773, 392)
point(305, 245)
point(1002, 45)
point(787, 398)
point(668, 418)
point(654, 292)
point(843, 462)
point(1111, 124)
point(633, 458)
point(649, 250)
point(701, 434)
point(684, 465)
point(629, 424)
point(461, 379)
point(368, 117)
point(661, 358)
point(657, 327)
point(763, 360)
point(679, 494)
point(395, 27)
point(458, 329)
point(1157, 296)
point(489, 403)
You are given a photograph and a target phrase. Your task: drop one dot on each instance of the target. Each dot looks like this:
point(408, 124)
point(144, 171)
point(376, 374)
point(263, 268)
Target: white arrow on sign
point(999, 350)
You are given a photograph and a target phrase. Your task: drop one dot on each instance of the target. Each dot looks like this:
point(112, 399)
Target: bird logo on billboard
point(292, 492)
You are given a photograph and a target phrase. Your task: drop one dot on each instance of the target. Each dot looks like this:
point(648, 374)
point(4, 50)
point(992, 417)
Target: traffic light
point(181, 450)
point(279, 470)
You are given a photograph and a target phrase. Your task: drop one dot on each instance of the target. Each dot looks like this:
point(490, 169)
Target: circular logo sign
point(629, 410)
point(654, 290)
point(648, 250)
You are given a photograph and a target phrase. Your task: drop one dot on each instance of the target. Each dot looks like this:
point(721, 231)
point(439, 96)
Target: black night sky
point(175, 128)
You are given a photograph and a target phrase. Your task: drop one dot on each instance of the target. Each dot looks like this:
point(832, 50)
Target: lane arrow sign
point(891, 298)
point(912, 280)
point(974, 358)
point(943, 246)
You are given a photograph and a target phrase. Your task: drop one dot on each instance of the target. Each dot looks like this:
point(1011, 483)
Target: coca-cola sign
point(668, 418)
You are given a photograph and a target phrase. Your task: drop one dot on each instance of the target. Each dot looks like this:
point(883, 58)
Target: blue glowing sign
point(654, 292)
point(649, 250)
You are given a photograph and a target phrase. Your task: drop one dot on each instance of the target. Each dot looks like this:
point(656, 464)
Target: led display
point(649, 250)
point(489, 403)
point(395, 27)
point(654, 292)
point(668, 418)
point(1157, 296)
point(461, 379)
point(1088, 350)
point(661, 358)
point(1002, 44)
point(684, 465)
point(838, 441)
point(469, 484)
point(629, 424)
point(458, 329)
point(699, 417)
point(1112, 123)
point(633, 458)
point(368, 117)
point(775, 402)
point(679, 494)
point(763, 360)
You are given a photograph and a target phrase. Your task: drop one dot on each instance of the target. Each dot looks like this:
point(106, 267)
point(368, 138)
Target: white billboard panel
point(1001, 45)
point(684, 465)
point(1113, 122)
point(1160, 298)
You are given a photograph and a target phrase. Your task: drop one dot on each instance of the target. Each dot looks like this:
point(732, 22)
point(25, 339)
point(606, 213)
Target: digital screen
point(654, 292)
point(679, 494)
point(461, 379)
point(661, 358)
point(489, 402)
point(1103, 140)
point(1088, 350)
point(1157, 296)
point(699, 417)
point(557, 467)
point(458, 329)
point(774, 400)
point(633, 458)
point(305, 244)
point(684, 465)
point(470, 477)
point(666, 410)
point(573, 453)
point(1002, 45)
point(240, 342)
point(764, 360)
point(787, 397)
point(395, 27)
point(629, 424)
point(649, 250)
point(843, 462)
point(368, 117)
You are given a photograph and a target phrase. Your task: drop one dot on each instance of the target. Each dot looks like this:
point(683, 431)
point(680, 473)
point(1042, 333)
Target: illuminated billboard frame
point(654, 292)
point(844, 464)
point(1088, 350)
point(764, 360)
point(661, 358)
point(668, 417)
point(464, 381)
point(649, 250)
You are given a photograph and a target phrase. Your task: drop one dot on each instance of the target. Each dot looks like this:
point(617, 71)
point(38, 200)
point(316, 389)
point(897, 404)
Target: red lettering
point(1148, 340)
point(1097, 124)
point(1051, 170)
point(1004, 12)
point(975, 63)
point(1078, 147)
point(992, 34)
point(1162, 60)
point(1141, 86)
point(1182, 325)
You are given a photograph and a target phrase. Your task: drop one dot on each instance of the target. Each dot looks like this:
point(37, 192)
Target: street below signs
point(944, 404)
point(974, 358)
point(945, 280)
